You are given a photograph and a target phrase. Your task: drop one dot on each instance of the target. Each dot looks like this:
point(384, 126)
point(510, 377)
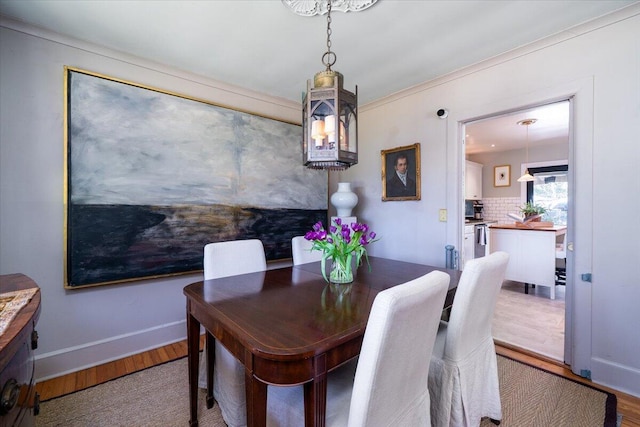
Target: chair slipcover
point(463, 374)
point(301, 251)
point(390, 384)
point(222, 259)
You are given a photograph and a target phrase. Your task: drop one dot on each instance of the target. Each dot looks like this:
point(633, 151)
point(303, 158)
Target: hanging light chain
point(527, 142)
point(329, 57)
point(527, 123)
point(527, 176)
point(329, 26)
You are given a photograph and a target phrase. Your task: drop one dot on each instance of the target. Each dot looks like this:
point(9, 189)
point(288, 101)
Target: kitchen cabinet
point(473, 181)
point(532, 253)
point(468, 246)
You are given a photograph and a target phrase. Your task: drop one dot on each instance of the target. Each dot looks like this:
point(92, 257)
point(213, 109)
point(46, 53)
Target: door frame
point(523, 197)
point(578, 301)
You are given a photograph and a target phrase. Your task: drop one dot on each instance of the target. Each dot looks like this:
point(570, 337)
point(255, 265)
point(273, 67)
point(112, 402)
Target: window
point(550, 190)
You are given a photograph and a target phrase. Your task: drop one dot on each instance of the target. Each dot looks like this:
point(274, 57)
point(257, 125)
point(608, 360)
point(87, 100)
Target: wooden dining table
point(288, 326)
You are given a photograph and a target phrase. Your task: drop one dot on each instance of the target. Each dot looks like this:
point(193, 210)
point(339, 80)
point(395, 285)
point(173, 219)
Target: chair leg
point(496, 422)
point(561, 276)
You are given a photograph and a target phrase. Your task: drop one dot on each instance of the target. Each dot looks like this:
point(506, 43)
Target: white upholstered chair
point(222, 259)
point(463, 374)
point(389, 387)
point(301, 251)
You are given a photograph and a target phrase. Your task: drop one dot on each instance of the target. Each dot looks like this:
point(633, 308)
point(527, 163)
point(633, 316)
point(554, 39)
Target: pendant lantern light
point(329, 117)
point(527, 176)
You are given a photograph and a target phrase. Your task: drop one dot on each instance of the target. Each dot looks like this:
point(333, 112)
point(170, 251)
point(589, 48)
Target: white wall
point(80, 328)
point(514, 158)
point(599, 65)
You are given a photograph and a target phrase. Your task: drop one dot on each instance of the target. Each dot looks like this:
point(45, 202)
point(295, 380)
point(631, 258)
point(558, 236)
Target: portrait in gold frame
point(401, 173)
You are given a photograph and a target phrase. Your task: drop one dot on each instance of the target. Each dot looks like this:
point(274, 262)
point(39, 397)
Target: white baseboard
point(616, 376)
point(73, 359)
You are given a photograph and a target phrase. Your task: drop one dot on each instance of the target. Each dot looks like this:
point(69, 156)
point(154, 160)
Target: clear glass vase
point(341, 271)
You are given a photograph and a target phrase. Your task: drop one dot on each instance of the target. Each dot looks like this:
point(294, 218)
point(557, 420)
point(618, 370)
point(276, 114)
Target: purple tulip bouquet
point(340, 244)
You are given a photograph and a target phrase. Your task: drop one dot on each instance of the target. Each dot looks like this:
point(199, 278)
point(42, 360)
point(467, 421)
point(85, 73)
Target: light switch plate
point(442, 216)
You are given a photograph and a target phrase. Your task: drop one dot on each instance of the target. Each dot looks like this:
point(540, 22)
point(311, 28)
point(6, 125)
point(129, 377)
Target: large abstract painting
point(151, 177)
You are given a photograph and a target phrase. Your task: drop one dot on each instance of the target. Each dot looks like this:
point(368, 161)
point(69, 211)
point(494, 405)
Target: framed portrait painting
point(502, 176)
point(401, 173)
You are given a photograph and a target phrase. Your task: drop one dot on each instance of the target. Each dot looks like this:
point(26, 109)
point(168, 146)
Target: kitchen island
point(532, 252)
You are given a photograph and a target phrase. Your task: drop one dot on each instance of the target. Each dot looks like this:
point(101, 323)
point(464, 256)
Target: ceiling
point(503, 133)
point(263, 46)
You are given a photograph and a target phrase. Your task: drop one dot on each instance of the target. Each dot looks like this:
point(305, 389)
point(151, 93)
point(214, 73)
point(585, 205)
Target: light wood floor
point(628, 405)
point(531, 321)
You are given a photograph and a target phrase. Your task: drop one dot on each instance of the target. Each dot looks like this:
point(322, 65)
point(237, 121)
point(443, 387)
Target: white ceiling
point(262, 45)
point(503, 133)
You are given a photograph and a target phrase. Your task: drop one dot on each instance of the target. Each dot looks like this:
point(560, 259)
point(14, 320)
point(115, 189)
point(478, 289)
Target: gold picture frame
point(146, 188)
point(502, 176)
point(405, 158)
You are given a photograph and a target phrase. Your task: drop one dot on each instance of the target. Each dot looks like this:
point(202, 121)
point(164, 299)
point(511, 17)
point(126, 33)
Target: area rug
point(158, 397)
point(154, 397)
point(531, 397)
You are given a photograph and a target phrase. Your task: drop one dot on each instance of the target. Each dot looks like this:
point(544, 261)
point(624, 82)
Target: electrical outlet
point(443, 215)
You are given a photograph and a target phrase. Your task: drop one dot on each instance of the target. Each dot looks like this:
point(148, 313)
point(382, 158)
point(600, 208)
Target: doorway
point(497, 143)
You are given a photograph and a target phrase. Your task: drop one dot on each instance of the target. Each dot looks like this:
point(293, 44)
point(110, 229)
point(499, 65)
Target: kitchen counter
point(558, 229)
point(478, 221)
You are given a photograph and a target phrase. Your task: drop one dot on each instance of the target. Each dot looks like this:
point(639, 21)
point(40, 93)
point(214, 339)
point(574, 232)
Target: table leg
point(256, 393)
point(193, 348)
point(315, 395)
point(211, 359)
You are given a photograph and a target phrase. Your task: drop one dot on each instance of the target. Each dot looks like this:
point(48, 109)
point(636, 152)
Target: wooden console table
point(18, 399)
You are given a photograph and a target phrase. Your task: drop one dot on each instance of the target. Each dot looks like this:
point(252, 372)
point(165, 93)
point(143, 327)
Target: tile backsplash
point(497, 208)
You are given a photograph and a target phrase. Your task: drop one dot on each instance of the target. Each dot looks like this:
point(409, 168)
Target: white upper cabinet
point(473, 181)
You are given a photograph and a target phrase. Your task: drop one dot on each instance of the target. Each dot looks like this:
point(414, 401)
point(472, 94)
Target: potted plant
point(530, 210)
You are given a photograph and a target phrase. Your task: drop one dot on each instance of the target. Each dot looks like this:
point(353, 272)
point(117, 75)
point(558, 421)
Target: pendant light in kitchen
point(527, 176)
